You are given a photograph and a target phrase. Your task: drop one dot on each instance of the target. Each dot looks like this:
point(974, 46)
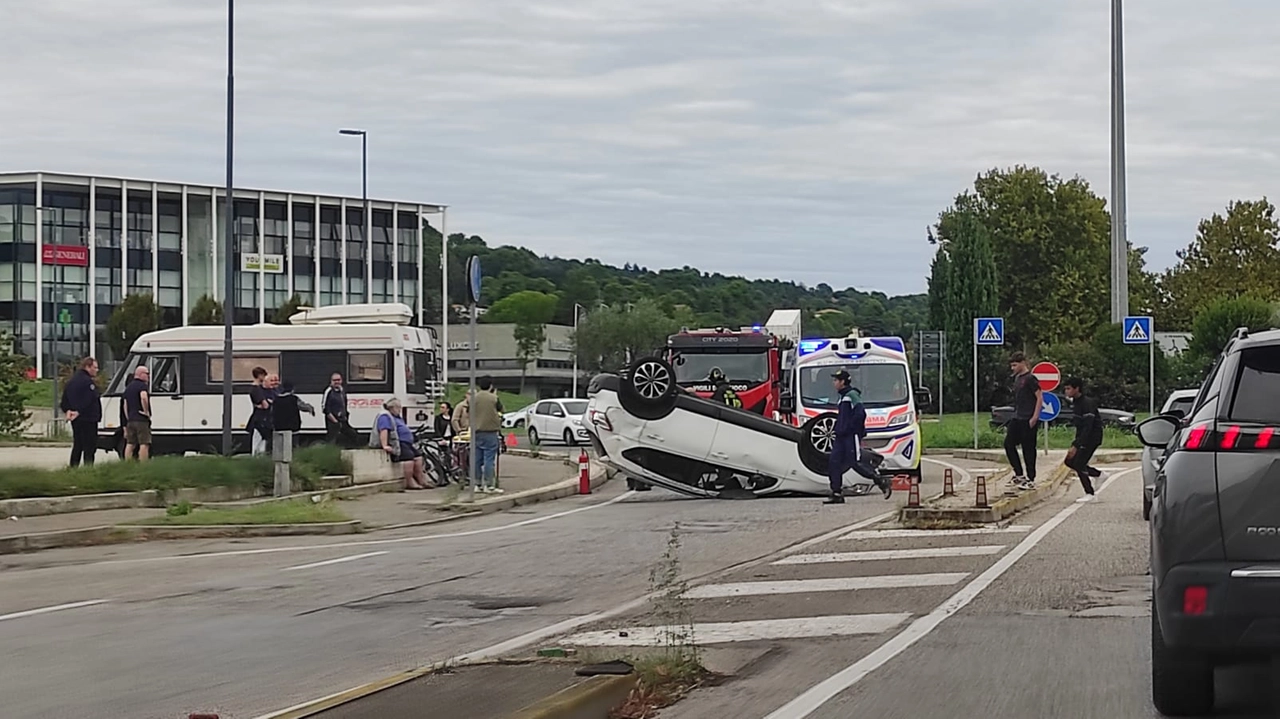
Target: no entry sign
point(1047, 374)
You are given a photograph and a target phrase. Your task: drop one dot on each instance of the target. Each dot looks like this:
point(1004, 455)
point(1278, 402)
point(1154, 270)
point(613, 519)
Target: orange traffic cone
point(913, 499)
point(901, 482)
point(948, 484)
point(511, 440)
point(981, 502)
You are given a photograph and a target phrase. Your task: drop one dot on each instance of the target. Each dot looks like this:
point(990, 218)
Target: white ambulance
point(880, 372)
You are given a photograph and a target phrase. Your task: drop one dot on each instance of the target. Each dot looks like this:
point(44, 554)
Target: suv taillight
point(1202, 436)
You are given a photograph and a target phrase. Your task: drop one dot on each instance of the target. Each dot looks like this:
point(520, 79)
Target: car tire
point(636, 485)
point(532, 434)
point(649, 390)
point(1181, 681)
point(568, 438)
point(816, 437)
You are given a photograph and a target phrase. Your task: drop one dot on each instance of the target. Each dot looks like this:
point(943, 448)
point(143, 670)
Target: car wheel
point(649, 391)
point(817, 436)
point(568, 438)
point(1181, 682)
point(533, 436)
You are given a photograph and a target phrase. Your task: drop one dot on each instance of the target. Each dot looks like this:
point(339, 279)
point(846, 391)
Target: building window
point(366, 366)
point(170, 219)
point(242, 367)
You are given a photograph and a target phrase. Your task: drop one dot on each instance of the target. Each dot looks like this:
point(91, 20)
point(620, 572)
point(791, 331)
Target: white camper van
point(372, 345)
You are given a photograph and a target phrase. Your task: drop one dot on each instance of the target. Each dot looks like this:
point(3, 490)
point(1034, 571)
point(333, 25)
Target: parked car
point(1178, 405)
point(557, 420)
point(1215, 527)
point(518, 418)
point(655, 434)
point(1000, 416)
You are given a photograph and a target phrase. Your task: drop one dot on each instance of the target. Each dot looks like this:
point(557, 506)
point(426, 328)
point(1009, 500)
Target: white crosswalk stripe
point(746, 631)
point(981, 550)
point(840, 584)
point(934, 533)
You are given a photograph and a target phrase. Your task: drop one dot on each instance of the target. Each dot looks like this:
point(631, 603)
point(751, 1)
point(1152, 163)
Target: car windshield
point(575, 408)
point(1182, 404)
point(752, 368)
point(1257, 396)
point(881, 385)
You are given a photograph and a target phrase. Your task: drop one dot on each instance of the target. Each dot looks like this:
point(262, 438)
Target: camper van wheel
point(816, 438)
point(649, 390)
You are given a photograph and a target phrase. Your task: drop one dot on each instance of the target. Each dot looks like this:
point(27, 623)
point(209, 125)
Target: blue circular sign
point(473, 278)
point(1051, 408)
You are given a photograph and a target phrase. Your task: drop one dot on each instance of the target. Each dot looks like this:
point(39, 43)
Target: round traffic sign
point(1051, 408)
point(1047, 374)
point(473, 278)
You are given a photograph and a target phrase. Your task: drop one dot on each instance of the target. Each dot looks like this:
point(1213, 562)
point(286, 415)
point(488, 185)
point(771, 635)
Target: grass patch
point(301, 511)
point(663, 680)
point(37, 392)
point(168, 473)
point(955, 431)
point(510, 400)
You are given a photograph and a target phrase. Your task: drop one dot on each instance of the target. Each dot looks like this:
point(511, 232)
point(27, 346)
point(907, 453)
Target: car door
point(540, 420)
point(167, 404)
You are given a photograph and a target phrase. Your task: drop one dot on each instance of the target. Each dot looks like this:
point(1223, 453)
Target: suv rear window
point(1257, 395)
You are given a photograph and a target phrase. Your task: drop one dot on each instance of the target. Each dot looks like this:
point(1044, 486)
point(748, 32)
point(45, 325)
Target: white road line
point(55, 608)
point(365, 543)
point(327, 562)
point(811, 700)
point(918, 533)
point(838, 584)
point(891, 554)
point(749, 631)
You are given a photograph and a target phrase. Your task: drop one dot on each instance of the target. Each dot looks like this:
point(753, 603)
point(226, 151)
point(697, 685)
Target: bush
point(169, 473)
point(955, 431)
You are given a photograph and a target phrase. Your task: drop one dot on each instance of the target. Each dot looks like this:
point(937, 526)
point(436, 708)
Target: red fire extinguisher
point(584, 473)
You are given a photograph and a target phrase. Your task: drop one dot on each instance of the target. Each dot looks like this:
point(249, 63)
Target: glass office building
point(73, 246)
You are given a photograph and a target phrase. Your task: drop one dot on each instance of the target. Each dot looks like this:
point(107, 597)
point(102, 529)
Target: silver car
point(1179, 404)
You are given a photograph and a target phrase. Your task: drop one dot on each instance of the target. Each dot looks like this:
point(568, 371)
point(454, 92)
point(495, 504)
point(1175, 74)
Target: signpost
point(473, 291)
point(1048, 376)
point(1140, 331)
point(987, 332)
point(1049, 411)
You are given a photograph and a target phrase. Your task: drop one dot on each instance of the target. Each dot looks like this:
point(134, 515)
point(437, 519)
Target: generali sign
point(74, 255)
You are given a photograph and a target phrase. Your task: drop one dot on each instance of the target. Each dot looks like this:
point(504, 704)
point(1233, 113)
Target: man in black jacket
point(1088, 433)
point(83, 407)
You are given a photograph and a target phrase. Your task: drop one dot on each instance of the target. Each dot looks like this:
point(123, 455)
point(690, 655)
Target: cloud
point(811, 140)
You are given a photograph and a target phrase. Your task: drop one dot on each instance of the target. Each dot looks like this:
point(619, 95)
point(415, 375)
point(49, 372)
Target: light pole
point(364, 193)
point(229, 298)
point(1119, 233)
point(54, 294)
point(577, 308)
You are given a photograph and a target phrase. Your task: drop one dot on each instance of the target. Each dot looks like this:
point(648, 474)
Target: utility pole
point(1119, 239)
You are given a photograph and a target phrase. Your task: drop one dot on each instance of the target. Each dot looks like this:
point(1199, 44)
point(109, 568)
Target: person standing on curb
point(1088, 434)
point(83, 407)
point(484, 411)
point(260, 419)
point(137, 410)
point(1021, 430)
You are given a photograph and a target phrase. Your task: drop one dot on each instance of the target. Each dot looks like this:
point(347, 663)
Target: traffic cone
point(948, 484)
point(913, 499)
point(584, 473)
point(901, 482)
point(202, 716)
point(982, 493)
point(510, 441)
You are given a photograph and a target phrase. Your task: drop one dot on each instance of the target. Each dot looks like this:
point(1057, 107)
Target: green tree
point(963, 288)
point(13, 412)
point(1116, 375)
point(132, 318)
point(530, 311)
point(206, 311)
point(1219, 319)
point(1233, 255)
point(287, 310)
point(609, 337)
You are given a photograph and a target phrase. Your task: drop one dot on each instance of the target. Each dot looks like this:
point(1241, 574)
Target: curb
point(999, 510)
point(997, 455)
point(144, 532)
point(559, 490)
point(89, 536)
point(347, 492)
point(590, 699)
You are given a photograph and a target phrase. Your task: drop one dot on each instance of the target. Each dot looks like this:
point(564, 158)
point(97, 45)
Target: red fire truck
point(750, 358)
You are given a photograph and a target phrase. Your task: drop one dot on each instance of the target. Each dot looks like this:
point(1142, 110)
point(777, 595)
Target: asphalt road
point(247, 627)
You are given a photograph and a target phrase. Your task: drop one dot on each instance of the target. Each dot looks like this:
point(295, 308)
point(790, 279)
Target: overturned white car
point(654, 433)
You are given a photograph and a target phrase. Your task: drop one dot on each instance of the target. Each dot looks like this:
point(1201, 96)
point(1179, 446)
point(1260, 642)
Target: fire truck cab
point(749, 357)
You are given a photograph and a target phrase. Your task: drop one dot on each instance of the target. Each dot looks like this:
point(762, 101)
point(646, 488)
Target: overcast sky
point(809, 140)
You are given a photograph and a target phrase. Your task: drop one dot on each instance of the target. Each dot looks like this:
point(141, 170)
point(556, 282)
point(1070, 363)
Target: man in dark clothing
point(287, 409)
point(259, 424)
point(721, 391)
point(338, 429)
point(137, 412)
point(846, 446)
point(83, 406)
point(1088, 434)
point(1021, 430)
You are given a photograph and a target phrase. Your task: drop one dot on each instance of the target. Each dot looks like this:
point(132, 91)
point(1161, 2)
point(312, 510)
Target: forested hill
point(715, 299)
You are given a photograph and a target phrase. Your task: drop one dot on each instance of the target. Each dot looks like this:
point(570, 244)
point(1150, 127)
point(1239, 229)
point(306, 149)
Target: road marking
point(917, 533)
point(890, 554)
point(327, 562)
point(823, 692)
point(838, 584)
point(55, 608)
point(365, 543)
point(749, 631)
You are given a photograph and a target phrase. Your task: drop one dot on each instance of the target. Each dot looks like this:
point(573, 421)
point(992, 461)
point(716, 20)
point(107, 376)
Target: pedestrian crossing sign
point(988, 331)
point(1137, 330)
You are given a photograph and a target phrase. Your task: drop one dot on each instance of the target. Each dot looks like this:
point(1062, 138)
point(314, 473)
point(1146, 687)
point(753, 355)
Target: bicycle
point(436, 452)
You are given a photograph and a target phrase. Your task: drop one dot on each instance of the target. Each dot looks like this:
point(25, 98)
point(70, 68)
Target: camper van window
point(164, 375)
point(125, 374)
point(242, 367)
point(366, 366)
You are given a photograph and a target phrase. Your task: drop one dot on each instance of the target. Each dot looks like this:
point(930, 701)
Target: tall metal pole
point(368, 220)
point(942, 352)
point(228, 301)
point(445, 309)
point(1119, 239)
point(576, 308)
point(471, 404)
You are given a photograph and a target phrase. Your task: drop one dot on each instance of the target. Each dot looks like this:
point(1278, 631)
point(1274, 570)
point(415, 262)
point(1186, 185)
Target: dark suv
point(1215, 527)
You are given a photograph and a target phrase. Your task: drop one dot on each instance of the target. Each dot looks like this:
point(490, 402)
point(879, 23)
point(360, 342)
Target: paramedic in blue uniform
point(846, 448)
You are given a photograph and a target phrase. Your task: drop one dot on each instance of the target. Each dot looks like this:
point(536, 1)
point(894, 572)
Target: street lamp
point(577, 309)
point(364, 193)
point(1119, 234)
point(228, 297)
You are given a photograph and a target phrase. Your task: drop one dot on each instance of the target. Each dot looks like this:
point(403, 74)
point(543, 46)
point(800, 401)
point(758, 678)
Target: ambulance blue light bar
point(811, 346)
point(890, 343)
